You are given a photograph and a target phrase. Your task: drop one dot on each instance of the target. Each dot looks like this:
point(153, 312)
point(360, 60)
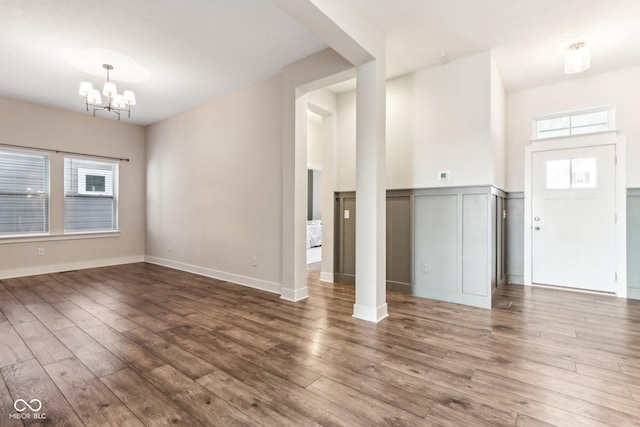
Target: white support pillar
point(295, 263)
point(371, 302)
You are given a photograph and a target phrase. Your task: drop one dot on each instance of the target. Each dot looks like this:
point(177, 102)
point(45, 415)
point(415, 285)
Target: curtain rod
point(49, 150)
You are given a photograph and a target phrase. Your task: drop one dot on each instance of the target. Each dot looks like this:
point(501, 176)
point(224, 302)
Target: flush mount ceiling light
point(116, 103)
point(577, 59)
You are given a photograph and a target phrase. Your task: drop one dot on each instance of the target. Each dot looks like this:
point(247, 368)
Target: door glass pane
point(559, 174)
point(584, 172)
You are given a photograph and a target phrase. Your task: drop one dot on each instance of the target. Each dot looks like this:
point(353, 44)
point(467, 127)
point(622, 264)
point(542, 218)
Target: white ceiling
point(528, 38)
point(177, 54)
point(172, 54)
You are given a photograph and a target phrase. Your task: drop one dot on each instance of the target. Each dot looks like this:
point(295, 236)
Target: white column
point(371, 300)
point(294, 263)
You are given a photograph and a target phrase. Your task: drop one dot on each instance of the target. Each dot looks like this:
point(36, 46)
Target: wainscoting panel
point(475, 244)
point(633, 243)
point(345, 241)
point(399, 241)
point(514, 230)
point(435, 243)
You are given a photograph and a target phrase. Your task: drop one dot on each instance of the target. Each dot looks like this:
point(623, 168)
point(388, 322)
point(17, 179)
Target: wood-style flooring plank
point(261, 407)
point(91, 399)
point(623, 414)
point(28, 380)
point(378, 413)
point(78, 316)
point(446, 416)
point(125, 349)
point(49, 316)
point(16, 312)
point(209, 348)
point(12, 347)
point(6, 407)
point(42, 343)
point(192, 366)
point(149, 404)
point(206, 406)
point(97, 358)
point(322, 411)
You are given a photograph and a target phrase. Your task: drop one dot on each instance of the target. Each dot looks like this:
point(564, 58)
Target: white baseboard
point(515, 279)
point(57, 268)
point(294, 294)
point(216, 274)
point(326, 277)
point(370, 314)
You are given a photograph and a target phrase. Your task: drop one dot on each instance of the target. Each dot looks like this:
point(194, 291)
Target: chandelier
point(117, 103)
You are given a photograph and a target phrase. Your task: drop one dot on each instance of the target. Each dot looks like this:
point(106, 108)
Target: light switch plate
point(346, 214)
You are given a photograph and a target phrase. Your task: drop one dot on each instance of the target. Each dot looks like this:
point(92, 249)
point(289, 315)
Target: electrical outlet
point(255, 261)
point(424, 268)
point(40, 251)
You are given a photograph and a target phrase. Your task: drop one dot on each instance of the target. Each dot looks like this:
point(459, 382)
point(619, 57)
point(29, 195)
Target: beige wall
point(437, 119)
point(619, 88)
point(314, 142)
point(38, 126)
point(497, 132)
point(214, 187)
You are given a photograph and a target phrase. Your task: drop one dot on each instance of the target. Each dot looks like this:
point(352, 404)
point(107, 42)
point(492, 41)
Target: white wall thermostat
point(444, 176)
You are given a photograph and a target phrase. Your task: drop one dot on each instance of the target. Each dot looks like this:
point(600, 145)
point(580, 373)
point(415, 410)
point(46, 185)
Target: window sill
point(573, 136)
point(56, 237)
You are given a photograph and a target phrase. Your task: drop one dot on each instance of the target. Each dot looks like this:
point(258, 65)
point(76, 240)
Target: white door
point(573, 218)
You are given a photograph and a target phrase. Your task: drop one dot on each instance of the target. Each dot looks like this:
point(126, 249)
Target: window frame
point(113, 193)
point(611, 122)
point(4, 238)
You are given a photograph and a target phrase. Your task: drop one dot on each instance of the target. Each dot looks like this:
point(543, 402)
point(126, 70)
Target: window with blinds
point(24, 194)
point(90, 195)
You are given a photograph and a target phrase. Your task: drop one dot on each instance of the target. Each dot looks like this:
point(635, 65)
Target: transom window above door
point(577, 122)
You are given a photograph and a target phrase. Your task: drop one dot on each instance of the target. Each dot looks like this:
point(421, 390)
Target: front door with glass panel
point(573, 218)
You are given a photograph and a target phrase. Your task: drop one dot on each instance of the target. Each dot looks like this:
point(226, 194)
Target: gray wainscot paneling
point(399, 241)
point(514, 241)
point(633, 243)
point(458, 244)
point(345, 238)
point(442, 243)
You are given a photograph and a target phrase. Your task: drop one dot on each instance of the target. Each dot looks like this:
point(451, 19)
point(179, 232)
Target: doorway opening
point(316, 135)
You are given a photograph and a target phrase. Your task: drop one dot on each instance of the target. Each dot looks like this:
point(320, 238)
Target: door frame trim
point(582, 141)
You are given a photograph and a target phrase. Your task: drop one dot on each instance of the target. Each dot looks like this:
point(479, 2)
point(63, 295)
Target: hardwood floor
point(141, 344)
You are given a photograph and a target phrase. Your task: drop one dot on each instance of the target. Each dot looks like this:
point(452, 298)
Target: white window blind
point(24, 194)
point(90, 195)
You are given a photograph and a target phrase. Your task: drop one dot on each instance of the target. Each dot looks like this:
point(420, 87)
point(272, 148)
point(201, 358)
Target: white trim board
point(585, 141)
point(57, 268)
point(250, 282)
